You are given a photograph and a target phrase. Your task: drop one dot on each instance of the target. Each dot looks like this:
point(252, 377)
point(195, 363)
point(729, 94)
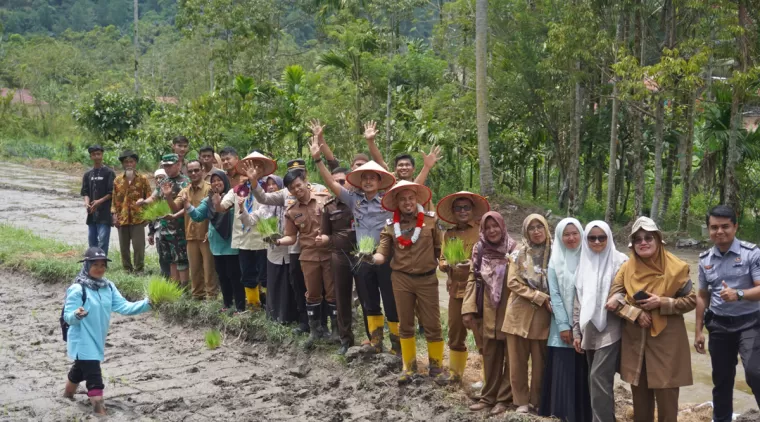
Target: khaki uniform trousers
point(644, 399)
point(421, 293)
point(497, 387)
point(318, 278)
point(133, 234)
point(520, 351)
point(457, 330)
point(203, 276)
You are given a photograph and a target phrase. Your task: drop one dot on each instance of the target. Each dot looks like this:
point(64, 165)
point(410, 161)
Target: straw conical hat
point(423, 194)
point(386, 179)
point(268, 165)
point(446, 214)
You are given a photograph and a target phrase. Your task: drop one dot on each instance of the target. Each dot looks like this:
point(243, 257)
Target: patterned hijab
point(533, 260)
point(86, 280)
point(491, 264)
point(222, 221)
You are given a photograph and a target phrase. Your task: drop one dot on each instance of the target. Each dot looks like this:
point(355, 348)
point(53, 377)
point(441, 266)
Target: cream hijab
point(594, 277)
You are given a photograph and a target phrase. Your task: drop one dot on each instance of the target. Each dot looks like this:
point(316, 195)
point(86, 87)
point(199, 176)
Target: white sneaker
point(523, 409)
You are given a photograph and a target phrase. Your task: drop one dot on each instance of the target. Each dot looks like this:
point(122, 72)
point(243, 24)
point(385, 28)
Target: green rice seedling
point(268, 227)
point(213, 339)
point(162, 291)
point(454, 252)
point(365, 246)
point(155, 210)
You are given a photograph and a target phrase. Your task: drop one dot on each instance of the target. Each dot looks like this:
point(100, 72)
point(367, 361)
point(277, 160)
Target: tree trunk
point(481, 91)
point(732, 197)
point(136, 21)
point(658, 144)
point(609, 215)
point(668, 187)
point(686, 154)
point(639, 159)
point(535, 177)
point(575, 150)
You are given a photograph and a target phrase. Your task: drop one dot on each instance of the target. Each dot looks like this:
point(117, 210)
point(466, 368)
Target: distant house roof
point(21, 96)
point(167, 100)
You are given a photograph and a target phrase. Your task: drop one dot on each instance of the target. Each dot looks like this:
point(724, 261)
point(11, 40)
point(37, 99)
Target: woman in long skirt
point(565, 392)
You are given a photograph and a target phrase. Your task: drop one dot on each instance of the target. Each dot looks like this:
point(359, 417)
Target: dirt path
point(156, 370)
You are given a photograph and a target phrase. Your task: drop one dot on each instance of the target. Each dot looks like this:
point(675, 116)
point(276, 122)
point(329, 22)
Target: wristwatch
point(740, 294)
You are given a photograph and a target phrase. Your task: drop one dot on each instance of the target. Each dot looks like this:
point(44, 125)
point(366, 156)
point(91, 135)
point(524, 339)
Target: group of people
point(554, 316)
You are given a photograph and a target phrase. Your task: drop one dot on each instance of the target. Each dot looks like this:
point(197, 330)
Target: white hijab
point(595, 274)
point(564, 262)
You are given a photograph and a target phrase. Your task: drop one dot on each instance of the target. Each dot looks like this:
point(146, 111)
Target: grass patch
point(155, 210)
point(213, 339)
point(161, 291)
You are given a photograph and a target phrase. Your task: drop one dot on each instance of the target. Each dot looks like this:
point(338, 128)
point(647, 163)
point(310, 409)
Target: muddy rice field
point(154, 370)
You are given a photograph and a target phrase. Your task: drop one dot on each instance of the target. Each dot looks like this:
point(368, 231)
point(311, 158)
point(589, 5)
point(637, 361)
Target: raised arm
point(315, 150)
point(370, 131)
point(428, 162)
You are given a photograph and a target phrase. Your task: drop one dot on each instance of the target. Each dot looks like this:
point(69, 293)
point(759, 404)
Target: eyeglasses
point(460, 208)
point(641, 239)
point(193, 171)
point(538, 228)
point(341, 181)
point(597, 239)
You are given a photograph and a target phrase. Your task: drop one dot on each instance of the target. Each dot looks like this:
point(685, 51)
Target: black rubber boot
point(303, 325)
point(334, 333)
point(315, 324)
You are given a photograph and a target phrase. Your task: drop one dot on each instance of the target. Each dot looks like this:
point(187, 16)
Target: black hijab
point(222, 222)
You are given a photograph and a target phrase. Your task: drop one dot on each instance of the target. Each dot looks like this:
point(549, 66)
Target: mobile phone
point(641, 295)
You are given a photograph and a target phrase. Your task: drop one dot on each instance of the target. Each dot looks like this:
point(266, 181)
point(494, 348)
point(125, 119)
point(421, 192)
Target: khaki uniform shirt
point(194, 230)
point(458, 275)
point(207, 175)
point(304, 221)
point(493, 314)
point(526, 315)
point(421, 257)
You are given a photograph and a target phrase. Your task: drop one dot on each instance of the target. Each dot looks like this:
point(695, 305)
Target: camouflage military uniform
point(172, 232)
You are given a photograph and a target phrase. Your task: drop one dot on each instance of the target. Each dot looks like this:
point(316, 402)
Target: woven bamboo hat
point(445, 213)
point(386, 179)
point(423, 194)
point(268, 165)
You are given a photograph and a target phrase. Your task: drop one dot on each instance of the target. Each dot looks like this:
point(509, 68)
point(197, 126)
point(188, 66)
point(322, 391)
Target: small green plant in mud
point(161, 291)
point(454, 251)
point(155, 210)
point(268, 228)
point(213, 339)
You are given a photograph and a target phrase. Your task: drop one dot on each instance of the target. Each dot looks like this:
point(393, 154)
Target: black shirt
point(97, 183)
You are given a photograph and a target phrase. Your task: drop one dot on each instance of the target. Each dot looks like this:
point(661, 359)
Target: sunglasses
point(597, 239)
point(535, 229)
point(460, 208)
point(341, 181)
point(193, 171)
point(641, 239)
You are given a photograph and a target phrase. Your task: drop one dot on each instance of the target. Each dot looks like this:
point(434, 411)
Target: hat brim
point(386, 179)
point(95, 259)
point(268, 166)
point(424, 194)
point(445, 213)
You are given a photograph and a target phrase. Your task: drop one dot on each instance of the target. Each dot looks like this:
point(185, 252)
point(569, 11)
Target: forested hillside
point(597, 108)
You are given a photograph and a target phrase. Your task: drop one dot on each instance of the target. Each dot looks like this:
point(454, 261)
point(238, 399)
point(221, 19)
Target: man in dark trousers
point(729, 288)
point(97, 187)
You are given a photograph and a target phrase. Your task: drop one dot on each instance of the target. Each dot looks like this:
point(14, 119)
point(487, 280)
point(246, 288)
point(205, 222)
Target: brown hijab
point(662, 274)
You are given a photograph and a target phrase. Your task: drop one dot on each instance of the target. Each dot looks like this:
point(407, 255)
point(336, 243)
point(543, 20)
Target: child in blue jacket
point(89, 323)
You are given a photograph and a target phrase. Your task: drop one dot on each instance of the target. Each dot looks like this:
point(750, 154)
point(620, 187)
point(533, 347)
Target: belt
point(429, 273)
point(731, 320)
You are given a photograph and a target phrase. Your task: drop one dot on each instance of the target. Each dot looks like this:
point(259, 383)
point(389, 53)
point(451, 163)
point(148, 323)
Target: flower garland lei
point(403, 242)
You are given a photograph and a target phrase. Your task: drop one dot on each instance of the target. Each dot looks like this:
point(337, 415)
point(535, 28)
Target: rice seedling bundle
point(366, 246)
point(454, 252)
point(268, 227)
point(213, 339)
point(155, 210)
point(162, 291)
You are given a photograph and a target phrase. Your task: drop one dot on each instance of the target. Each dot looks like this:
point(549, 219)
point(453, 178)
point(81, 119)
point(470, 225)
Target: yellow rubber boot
point(395, 338)
point(409, 359)
point(457, 363)
point(375, 325)
point(252, 296)
point(435, 357)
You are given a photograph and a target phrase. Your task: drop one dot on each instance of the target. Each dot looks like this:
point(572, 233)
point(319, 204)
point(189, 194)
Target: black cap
point(94, 148)
point(95, 254)
point(297, 163)
point(127, 154)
